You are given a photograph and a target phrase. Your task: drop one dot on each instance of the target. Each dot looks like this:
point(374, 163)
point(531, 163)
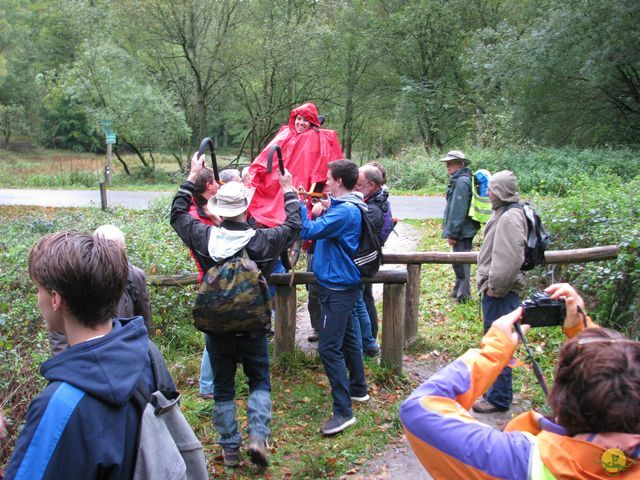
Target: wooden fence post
point(412, 303)
point(285, 336)
point(393, 299)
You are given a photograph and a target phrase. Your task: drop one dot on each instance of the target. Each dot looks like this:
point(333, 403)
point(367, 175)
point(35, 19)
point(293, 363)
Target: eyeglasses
point(610, 341)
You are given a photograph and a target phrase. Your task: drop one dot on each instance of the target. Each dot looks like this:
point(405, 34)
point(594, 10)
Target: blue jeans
point(362, 325)
point(206, 374)
point(226, 351)
point(278, 267)
point(370, 302)
point(500, 393)
point(338, 347)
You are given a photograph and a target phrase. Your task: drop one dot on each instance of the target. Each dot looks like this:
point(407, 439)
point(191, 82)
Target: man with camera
point(593, 431)
point(499, 278)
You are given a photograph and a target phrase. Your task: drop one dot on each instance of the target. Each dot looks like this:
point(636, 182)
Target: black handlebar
point(214, 161)
point(274, 149)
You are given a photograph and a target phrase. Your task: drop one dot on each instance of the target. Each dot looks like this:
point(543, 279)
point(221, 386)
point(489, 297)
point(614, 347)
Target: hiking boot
point(231, 457)
point(485, 406)
point(361, 399)
point(336, 424)
point(372, 352)
point(258, 451)
point(313, 337)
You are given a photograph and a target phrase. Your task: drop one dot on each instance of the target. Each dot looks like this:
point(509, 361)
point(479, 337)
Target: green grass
point(62, 169)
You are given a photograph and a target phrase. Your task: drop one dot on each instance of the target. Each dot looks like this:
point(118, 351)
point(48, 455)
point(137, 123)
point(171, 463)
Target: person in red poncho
point(306, 151)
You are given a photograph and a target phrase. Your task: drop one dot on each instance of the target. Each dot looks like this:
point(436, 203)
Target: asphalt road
point(403, 207)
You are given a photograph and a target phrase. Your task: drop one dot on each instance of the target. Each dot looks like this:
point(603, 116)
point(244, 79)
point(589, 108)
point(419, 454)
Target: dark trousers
point(227, 350)
point(313, 302)
point(462, 289)
point(338, 348)
point(371, 309)
point(501, 392)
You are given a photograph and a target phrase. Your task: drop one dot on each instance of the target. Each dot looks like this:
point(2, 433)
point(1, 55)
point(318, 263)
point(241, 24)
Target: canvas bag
point(167, 447)
point(233, 297)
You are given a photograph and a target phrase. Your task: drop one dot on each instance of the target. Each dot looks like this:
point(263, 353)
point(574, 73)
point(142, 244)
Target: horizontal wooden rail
point(302, 278)
point(578, 255)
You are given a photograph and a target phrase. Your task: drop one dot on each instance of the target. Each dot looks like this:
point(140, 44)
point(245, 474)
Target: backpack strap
point(161, 377)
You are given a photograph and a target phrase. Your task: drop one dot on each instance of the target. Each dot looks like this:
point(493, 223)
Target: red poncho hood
point(308, 111)
point(305, 155)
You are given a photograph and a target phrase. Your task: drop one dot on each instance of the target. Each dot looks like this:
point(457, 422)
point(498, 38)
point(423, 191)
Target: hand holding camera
point(540, 310)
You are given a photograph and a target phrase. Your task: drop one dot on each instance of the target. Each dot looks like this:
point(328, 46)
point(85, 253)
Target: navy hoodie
point(94, 382)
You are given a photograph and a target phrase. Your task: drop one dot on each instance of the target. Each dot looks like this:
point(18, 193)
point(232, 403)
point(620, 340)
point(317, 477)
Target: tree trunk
point(347, 126)
point(124, 164)
point(178, 159)
point(202, 115)
point(136, 151)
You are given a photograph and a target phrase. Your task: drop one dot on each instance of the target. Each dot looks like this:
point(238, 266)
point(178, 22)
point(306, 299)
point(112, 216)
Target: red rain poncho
point(305, 155)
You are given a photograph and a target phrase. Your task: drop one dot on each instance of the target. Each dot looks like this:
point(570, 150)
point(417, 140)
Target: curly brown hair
point(597, 383)
point(88, 272)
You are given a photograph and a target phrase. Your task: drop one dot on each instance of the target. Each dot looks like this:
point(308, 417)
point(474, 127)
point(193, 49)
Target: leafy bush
point(544, 171)
point(602, 211)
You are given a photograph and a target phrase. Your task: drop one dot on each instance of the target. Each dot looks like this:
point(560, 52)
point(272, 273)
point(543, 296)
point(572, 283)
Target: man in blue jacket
point(337, 235)
point(84, 424)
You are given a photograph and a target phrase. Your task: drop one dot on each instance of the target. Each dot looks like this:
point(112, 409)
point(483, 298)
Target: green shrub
point(544, 171)
point(602, 211)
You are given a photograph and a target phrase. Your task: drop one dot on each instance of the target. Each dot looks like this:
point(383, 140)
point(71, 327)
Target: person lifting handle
point(212, 150)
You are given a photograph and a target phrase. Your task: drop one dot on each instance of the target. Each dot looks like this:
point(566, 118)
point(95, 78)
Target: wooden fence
point(400, 297)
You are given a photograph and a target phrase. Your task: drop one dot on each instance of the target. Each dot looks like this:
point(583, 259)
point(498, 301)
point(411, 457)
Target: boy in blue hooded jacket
point(84, 424)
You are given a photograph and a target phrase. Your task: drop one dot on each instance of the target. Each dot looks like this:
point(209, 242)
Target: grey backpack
point(167, 447)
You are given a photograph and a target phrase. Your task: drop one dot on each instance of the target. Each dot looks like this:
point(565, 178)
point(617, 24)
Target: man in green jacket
point(457, 227)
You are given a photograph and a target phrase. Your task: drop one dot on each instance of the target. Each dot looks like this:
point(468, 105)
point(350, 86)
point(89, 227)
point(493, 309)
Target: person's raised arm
point(191, 231)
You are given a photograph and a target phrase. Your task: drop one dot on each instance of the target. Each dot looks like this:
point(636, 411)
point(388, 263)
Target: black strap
point(161, 377)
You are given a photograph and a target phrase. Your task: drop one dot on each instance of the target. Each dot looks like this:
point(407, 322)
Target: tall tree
point(194, 37)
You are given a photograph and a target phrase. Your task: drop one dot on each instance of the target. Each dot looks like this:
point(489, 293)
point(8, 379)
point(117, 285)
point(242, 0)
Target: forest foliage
point(433, 73)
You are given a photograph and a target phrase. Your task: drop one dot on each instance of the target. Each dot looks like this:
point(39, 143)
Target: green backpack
point(233, 298)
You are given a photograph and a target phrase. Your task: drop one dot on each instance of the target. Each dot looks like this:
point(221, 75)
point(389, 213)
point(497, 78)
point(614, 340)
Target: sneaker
point(372, 352)
point(362, 399)
point(313, 337)
point(336, 424)
point(485, 406)
point(231, 457)
point(206, 396)
point(258, 451)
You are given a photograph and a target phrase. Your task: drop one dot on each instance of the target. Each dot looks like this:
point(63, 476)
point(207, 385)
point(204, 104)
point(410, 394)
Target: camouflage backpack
point(233, 297)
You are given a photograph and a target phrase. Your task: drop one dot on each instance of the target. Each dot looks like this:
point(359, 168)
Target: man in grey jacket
point(499, 277)
point(457, 227)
